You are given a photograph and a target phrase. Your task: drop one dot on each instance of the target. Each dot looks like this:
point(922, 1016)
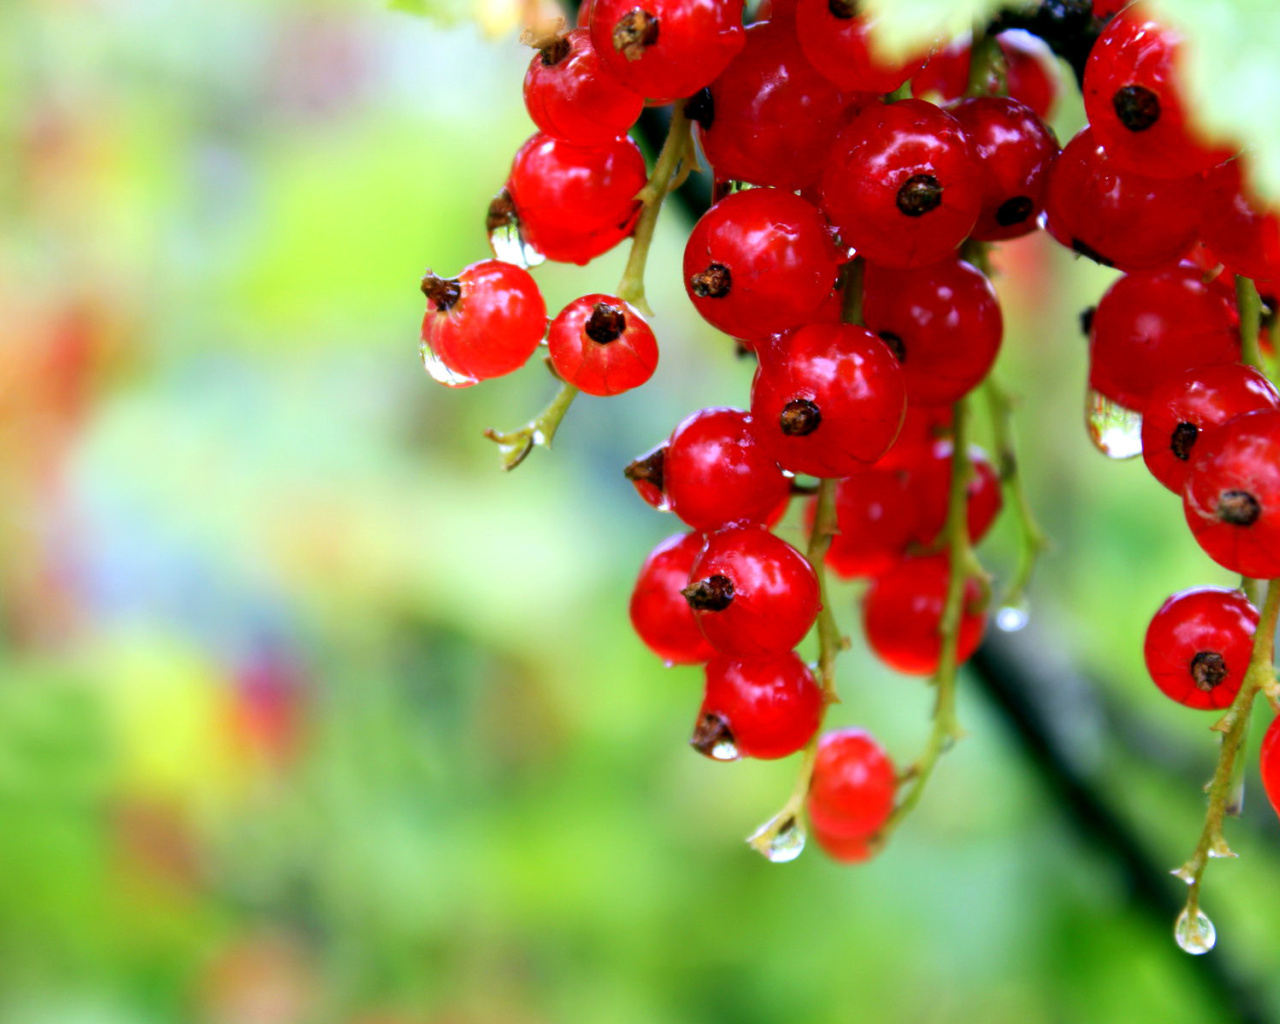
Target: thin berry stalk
point(1250, 306)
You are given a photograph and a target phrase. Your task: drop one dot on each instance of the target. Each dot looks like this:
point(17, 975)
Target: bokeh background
point(308, 713)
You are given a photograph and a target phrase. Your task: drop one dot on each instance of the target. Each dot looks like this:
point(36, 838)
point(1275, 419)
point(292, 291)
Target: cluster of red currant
point(855, 199)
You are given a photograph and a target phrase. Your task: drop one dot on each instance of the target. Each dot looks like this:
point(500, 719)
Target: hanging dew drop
point(1013, 616)
point(779, 840)
point(505, 237)
point(1194, 935)
point(1114, 430)
point(435, 366)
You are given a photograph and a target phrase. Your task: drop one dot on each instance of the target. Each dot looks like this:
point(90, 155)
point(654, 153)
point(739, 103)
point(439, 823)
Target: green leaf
point(1231, 66)
point(904, 27)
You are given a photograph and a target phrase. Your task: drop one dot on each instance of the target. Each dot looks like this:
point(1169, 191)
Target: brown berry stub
point(799, 417)
point(843, 9)
point(648, 468)
point(634, 32)
point(1136, 107)
point(1183, 440)
point(1208, 669)
point(1239, 508)
point(712, 283)
point(443, 291)
point(713, 594)
point(1014, 211)
point(919, 194)
point(895, 343)
point(605, 324)
point(712, 738)
point(555, 51)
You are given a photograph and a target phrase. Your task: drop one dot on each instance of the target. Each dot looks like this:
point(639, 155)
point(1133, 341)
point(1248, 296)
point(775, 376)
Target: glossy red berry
point(852, 790)
point(1241, 230)
point(747, 121)
point(902, 185)
point(931, 491)
point(659, 613)
point(667, 49)
point(1117, 216)
point(1184, 407)
point(752, 593)
point(1029, 72)
point(765, 708)
point(1015, 150)
point(1198, 646)
point(759, 262)
point(602, 345)
point(1269, 763)
point(1232, 495)
point(573, 202)
point(836, 39)
point(943, 323)
point(485, 322)
point(902, 613)
point(571, 96)
point(828, 399)
point(1153, 324)
point(716, 471)
point(876, 521)
point(1133, 97)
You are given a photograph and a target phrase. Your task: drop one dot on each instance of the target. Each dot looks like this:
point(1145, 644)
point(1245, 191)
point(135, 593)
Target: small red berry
point(1198, 646)
point(569, 94)
point(902, 615)
point(1269, 764)
point(659, 613)
point(765, 707)
point(851, 792)
point(602, 345)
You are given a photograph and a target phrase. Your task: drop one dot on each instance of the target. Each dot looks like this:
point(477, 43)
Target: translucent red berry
point(1184, 407)
point(485, 322)
point(574, 202)
point(828, 399)
point(1239, 228)
point(659, 613)
point(667, 49)
point(1029, 72)
point(1198, 646)
point(759, 262)
point(851, 793)
point(571, 96)
point(752, 593)
point(765, 708)
point(716, 471)
point(602, 345)
point(943, 323)
point(1232, 495)
point(902, 185)
point(902, 613)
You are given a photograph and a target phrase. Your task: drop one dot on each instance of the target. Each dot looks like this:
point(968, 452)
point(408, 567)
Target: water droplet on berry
point(1114, 430)
point(508, 245)
point(439, 371)
point(780, 839)
point(1195, 936)
point(1013, 616)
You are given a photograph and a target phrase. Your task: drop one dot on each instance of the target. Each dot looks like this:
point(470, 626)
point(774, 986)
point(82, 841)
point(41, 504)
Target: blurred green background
point(310, 714)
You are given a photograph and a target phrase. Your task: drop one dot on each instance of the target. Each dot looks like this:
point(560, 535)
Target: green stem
point(854, 272)
point(1250, 306)
point(986, 61)
point(1232, 725)
point(541, 430)
point(964, 567)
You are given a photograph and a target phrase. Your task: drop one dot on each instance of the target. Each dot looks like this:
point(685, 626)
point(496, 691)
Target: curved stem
point(515, 445)
point(1232, 725)
point(964, 566)
point(1250, 306)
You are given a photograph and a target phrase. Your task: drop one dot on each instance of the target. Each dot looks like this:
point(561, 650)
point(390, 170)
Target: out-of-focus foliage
point(309, 714)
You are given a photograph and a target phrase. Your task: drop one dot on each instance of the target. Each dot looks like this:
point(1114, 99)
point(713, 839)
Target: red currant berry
point(942, 321)
point(1016, 151)
point(1029, 72)
point(660, 615)
point(747, 121)
point(1184, 407)
point(666, 49)
point(1198, 646)
point(851, 792)
point(571, 96)
point(902, 185)
point(1118, 217)
point(875, 520)
point(759, 262)
point(902, 614)
point(1237, 227)
point(828, 400)
point(483, 323)
point(576, 202)
point(1269, 764)
point(602, 345)
point(1232, 495)
point(752, 593)
point(931, 491)
point(716, 471)
point(836, 39)
point(765, 708)
point(1152, 324)
point(921, 427)
point(1133, 99)
point(845, 849)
